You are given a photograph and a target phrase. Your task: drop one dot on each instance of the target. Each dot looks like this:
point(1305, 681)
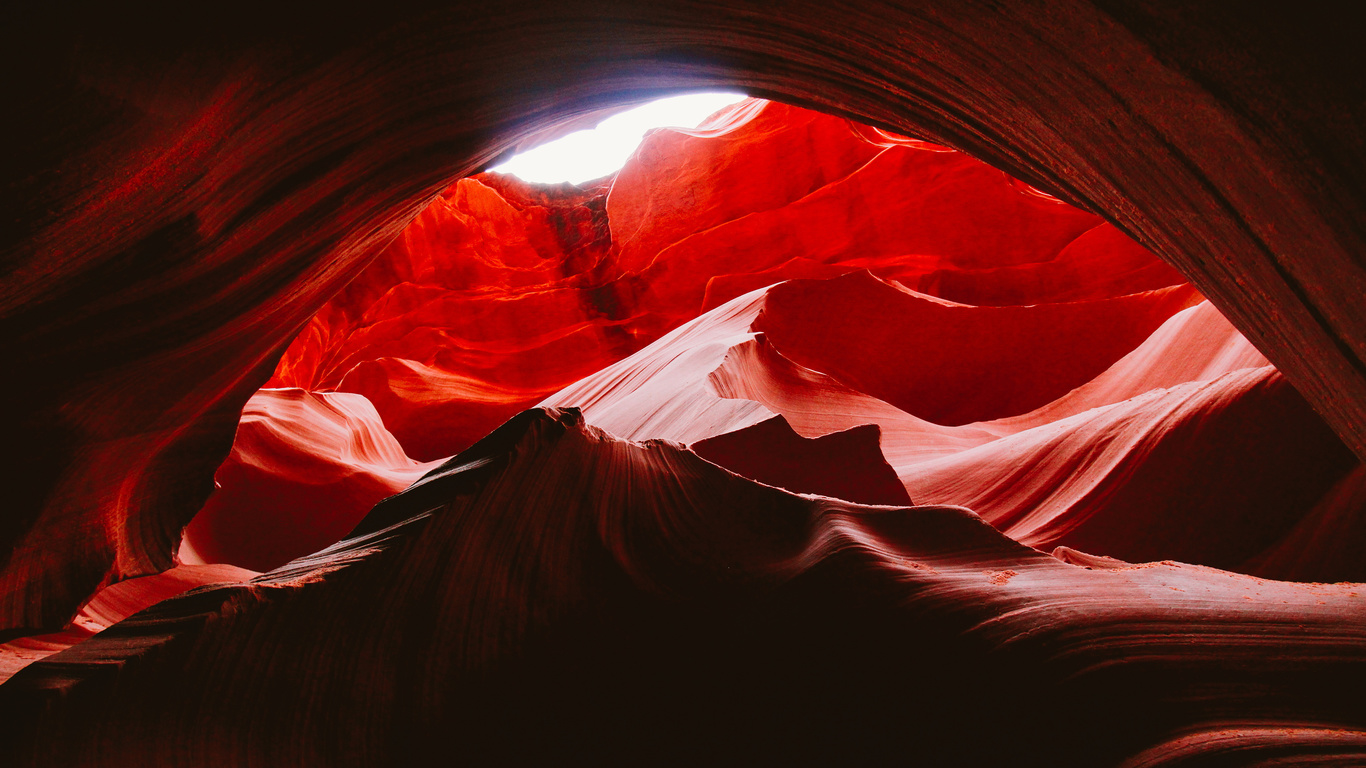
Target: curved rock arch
point(190, 192)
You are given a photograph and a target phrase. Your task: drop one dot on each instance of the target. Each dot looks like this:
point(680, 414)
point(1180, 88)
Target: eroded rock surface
point(747, 353)
point(554, 590)
point(184, 193)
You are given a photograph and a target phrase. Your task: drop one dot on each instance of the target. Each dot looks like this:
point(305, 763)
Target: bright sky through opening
point(586, 155)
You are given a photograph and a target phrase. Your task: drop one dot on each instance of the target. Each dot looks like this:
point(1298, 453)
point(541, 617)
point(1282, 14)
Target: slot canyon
point(986, 389)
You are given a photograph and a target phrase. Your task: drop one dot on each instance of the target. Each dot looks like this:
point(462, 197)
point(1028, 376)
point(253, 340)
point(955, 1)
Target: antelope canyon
point(987, 389)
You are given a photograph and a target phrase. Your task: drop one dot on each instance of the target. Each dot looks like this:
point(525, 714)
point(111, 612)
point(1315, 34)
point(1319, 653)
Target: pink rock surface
point(114, 604)
point(749, 346)
point(304, 469)
point(600, 593)
point(1187, 448)
point(500, 294)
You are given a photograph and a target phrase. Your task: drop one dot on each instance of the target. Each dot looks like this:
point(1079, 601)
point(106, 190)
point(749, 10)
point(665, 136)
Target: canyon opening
point(815, 305)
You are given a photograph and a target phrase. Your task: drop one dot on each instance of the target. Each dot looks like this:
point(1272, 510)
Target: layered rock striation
point(817, 442)
point(555, 591)
point(184, 195)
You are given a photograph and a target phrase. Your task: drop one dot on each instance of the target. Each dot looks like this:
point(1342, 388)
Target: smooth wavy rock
point(1189, 447)
point(485, 304)
point(850, 326)
point(112, 605)
point(183, 195)
point(951, 363)
point(305, 467)
point(1194, 345)
point(816, 404)
point(662, 391)
point(501, 293)
point(745, 201)
point(555, 591)
point(727, 169)
point(1212, 472)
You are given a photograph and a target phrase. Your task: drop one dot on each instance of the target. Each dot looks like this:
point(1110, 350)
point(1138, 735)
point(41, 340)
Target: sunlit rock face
point(1019, 357)
point(305, 468)
point(794, 440)
point(113, 605)
point(555, 590)
point(499, 295)
point(185, 193)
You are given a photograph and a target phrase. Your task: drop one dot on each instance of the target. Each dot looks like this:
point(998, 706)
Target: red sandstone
point(722, 377)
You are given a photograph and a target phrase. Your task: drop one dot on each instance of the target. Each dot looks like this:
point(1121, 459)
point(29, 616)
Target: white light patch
point(586, 155)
